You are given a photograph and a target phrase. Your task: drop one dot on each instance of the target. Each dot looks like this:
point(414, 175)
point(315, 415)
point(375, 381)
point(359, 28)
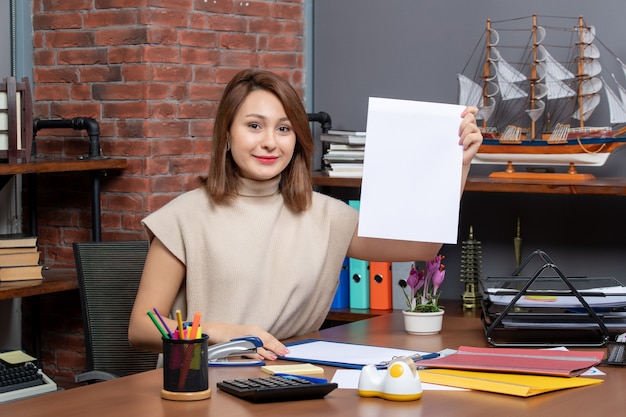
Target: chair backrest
point(108, 277)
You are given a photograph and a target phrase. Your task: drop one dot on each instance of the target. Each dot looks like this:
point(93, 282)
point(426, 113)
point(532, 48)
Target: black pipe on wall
point(88, 124)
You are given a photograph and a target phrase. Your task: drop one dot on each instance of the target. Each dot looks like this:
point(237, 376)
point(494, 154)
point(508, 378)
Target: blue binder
point(359, 277)
point(342, 296)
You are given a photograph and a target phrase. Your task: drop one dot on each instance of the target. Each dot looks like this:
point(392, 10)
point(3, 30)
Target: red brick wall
point(151, 72)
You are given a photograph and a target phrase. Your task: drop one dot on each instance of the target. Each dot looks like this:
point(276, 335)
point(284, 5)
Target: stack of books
point(344, 153)
point(19, 258)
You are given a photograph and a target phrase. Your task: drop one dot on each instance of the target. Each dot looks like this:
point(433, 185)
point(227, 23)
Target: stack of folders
point(344, 153)
point(19, 258)
point(369, 285)
point(512, 371)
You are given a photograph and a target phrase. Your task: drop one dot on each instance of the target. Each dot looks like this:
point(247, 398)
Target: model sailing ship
point(535, 111)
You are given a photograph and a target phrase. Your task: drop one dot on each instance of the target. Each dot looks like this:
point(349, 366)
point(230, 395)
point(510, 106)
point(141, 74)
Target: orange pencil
point(194, 326)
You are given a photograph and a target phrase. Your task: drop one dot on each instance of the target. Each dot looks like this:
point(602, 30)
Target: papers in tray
point(612, 320)
point(502, 383)
point(595, 297)
point(520, 361)
point(347, 355)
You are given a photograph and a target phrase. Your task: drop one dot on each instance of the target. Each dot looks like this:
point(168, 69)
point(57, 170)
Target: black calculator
point(280, 387)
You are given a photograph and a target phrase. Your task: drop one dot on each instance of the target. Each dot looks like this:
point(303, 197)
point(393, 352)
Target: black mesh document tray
point(549, 309)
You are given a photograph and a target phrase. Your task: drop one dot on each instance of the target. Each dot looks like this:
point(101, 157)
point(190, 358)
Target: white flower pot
point(423, 323)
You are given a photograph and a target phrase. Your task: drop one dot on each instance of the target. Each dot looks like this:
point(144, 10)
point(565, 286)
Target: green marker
point(158, 325)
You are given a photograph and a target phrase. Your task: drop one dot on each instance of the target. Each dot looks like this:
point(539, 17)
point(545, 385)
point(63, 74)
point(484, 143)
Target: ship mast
point(581, 74)
point(533, 75)
point(486, 69)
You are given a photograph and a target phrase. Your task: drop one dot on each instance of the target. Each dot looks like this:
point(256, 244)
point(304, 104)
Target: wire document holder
point(544, 311)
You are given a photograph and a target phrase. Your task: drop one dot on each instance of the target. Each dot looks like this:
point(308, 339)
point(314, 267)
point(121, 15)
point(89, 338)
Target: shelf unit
point(54, 280)
point(599, 186)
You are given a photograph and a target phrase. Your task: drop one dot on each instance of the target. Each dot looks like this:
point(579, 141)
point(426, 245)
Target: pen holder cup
point(615, 353)
point(186, 369)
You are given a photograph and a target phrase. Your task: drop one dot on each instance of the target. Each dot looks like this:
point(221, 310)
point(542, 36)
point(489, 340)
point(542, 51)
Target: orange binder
point(380, 286)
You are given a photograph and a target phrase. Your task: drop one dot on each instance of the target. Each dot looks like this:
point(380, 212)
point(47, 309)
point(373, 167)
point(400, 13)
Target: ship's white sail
point(621, 89)
point(507, 77)
point(590, 98)
point(622, 65)
point(553, 74)
point(471, 94)
point(617, 110)
point(591, 67)
point(536, 113)
point(551, 83)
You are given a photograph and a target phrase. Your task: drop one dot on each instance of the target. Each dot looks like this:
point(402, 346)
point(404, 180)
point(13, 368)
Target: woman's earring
point(227, 146)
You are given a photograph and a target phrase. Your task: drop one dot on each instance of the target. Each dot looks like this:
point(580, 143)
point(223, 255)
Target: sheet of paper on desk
point(412, 171)
point(347, 355)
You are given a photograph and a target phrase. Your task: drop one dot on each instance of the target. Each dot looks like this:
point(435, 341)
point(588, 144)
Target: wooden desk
point(139, 395)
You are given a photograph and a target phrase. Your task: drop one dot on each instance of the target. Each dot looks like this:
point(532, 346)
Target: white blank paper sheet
point(412, 171)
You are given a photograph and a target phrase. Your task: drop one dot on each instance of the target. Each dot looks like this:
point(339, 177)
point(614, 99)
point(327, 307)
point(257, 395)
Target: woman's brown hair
point(295, 182)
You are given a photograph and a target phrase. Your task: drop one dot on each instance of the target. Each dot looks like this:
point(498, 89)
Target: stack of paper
point(513, 371)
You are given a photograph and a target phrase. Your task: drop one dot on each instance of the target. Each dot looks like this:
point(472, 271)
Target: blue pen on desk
point(167, 329)
point(415, 358)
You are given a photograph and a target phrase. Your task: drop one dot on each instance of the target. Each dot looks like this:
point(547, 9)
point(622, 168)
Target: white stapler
point(236, 347)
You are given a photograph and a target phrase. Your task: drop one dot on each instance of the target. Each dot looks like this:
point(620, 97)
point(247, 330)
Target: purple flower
point(423, 295)
point(434, 264)
point(438, 278)
point(415, 280)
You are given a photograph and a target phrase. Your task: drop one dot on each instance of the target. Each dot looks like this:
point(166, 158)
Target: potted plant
point(423, 314)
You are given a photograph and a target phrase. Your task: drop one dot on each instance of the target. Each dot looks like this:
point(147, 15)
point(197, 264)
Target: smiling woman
point(261, 138)
point(296, 185)
point(255, 250)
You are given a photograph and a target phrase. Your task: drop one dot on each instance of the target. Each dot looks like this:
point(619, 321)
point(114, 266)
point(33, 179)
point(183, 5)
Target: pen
point(415, 358)
point(158, 326)
point(194, 326)
point(167, 329)
point(181, 329)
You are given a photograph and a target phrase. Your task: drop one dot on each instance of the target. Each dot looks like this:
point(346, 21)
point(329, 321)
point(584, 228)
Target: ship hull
point(582, 152)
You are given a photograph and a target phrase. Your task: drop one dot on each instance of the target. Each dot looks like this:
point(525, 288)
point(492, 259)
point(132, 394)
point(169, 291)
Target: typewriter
point(21, 378)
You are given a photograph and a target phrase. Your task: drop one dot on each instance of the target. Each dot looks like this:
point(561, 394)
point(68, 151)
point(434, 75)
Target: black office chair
point(108, 278)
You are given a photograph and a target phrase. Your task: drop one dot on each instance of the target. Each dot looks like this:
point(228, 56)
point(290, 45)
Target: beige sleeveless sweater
point(254, 261)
